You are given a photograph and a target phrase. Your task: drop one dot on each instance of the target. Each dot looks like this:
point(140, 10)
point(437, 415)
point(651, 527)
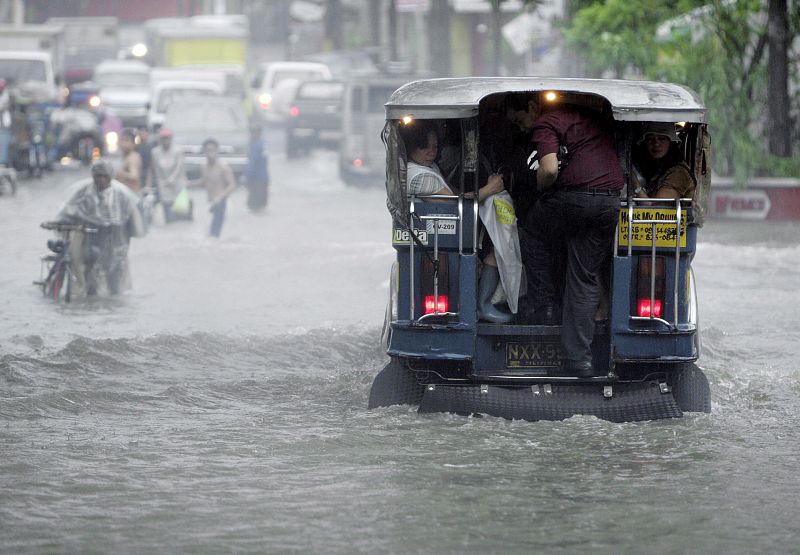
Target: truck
point(31, 54)
point(197, 40)
point(85, 42)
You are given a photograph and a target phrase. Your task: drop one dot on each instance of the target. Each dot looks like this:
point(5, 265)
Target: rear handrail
point(412, 242)
point(677, 203)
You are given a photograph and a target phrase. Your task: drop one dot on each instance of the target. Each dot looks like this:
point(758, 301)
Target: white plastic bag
point(500, 220)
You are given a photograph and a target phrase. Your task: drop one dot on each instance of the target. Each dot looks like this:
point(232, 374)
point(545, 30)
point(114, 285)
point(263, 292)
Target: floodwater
point(220, 405)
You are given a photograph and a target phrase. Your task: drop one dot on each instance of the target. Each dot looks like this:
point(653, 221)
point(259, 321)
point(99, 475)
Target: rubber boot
point(490, 278)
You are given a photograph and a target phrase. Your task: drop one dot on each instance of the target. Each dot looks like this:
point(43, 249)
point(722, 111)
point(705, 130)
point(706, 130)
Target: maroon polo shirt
point(593, 159)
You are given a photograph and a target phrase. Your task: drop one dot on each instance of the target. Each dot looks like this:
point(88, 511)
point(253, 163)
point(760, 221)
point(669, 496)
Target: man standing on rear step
point(580, 179)
point(218, 181)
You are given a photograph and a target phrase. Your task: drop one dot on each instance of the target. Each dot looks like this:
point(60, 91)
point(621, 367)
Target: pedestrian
point(130, 170)
point(580, 177)
point(218, 181)
point(168, 176)
point(144, 146)
point(257, 171)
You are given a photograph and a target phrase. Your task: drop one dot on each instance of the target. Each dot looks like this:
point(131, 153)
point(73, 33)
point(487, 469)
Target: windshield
point(169, 96)
point(20, 71)
point(204, 116)
point(321, 91)
point(300, 75)
point(123, 79)
point(376, 97)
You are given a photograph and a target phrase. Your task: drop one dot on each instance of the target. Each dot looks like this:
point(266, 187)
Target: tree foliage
point(716, 47)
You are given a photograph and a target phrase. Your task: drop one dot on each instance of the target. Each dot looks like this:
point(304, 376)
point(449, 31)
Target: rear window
point(300, 75)
point(169, 96)
point(321, 91)
point(205, 116)
point(377, 95)
point(123, 79)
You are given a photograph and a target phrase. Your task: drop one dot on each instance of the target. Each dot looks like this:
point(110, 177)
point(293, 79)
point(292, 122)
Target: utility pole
point(439, 22)
point(496, 38)
point(374, 17)
point(392, 31)
point(778, 78)
point(333, 24)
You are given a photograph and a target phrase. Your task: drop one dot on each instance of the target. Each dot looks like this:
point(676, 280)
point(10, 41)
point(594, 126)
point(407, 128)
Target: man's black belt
point(593, 191)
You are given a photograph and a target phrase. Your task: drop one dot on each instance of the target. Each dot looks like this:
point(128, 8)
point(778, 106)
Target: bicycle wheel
point(67, 283)
point(60, 284)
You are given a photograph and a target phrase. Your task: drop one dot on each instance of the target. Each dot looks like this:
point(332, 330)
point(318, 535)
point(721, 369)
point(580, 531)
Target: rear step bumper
point(626, 402)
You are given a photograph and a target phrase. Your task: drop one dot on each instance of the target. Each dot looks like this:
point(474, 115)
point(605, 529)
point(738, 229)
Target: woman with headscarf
point(663, 171)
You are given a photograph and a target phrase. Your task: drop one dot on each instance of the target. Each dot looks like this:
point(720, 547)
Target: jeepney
point(445, 360)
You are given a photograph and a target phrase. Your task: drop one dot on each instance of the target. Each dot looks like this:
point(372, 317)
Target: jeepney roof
point(630, 100)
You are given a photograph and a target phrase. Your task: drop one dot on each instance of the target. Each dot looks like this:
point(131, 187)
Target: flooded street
point(219, 406)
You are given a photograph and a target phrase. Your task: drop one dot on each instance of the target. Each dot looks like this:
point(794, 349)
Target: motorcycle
point(78, 134)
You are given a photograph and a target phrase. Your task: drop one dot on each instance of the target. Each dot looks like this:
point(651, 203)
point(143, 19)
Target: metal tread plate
point(628, 402)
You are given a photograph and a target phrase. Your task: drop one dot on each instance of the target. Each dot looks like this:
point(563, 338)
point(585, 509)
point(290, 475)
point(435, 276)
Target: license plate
point(533, 355)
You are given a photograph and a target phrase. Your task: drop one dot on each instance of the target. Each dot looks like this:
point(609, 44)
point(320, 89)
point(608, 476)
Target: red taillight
point(650, 283)
point(644, 308)
point(430, 304)
point(293, 111)
point(357, 162)
point(435, 286)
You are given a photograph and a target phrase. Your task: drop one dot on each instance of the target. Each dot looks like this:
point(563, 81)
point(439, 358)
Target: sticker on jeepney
point(446, 227)
point(665, 233)
point(402, 237)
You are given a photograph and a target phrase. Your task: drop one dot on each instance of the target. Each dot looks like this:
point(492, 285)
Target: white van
point(166, 93)
point(362, 156)
point(276, 83)
point(125, 89)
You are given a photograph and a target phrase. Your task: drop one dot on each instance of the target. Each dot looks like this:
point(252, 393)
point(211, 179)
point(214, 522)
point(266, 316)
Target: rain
point(218, 402)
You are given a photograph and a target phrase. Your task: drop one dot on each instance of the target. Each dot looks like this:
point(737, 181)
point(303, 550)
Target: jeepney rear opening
point(432, 332)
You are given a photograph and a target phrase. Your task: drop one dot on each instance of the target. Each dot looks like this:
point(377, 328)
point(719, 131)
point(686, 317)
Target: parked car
point(272, 99)
point(315, 117)
point(125, 89)
point(222, 119)
point(168, 92)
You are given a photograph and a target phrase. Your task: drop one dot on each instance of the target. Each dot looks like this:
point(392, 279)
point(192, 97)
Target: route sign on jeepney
point(643, 232)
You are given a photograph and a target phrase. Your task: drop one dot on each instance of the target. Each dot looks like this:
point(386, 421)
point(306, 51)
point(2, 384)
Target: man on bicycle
point(108, 205)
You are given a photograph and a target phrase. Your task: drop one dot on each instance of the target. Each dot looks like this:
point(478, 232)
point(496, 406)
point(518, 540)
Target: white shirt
point(425, 180)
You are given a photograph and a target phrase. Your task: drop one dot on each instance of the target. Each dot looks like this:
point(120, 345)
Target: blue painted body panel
point(485, 346)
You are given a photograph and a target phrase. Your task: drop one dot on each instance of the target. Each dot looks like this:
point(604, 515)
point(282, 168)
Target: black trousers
point(572, 229)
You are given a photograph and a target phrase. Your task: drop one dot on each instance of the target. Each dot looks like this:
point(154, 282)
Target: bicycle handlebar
point(63, 226)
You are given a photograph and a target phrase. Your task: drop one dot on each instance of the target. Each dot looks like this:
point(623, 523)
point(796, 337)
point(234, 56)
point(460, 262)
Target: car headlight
point(112, 141)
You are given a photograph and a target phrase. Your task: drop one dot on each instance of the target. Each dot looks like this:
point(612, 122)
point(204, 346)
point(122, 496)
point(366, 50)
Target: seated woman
point(664, 174)
point(423, 177)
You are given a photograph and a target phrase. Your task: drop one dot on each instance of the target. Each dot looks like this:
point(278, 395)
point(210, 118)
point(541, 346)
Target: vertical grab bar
point(411, 260)
point(678, 221)
point(677, 258)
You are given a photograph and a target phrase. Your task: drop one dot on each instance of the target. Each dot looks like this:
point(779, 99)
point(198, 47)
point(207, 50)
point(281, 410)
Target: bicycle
point(57, 284)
